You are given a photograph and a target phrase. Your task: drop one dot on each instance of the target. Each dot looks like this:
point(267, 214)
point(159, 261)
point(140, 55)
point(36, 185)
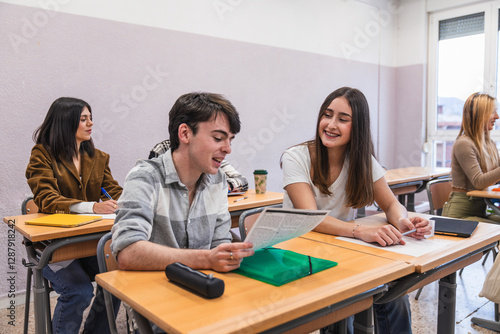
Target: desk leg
point(492, 206)
point(410, 204)
point(446, 305)
point(363, 322)
point(38, 301)
point(142, 323)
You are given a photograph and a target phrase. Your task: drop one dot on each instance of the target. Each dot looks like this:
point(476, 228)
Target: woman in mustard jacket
point(66, 174)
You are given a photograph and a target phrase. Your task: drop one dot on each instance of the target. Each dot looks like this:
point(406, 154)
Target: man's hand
point(227, 257)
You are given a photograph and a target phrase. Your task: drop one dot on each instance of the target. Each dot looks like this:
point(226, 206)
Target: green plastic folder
point(277, 266)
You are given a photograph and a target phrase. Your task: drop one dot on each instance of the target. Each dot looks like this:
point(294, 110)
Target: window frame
point(491, 33)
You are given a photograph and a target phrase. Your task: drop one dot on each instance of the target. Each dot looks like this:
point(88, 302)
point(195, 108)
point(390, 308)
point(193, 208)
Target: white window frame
point(490, 10)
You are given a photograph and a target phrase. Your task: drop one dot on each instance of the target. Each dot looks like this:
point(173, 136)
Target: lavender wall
point(131, 76)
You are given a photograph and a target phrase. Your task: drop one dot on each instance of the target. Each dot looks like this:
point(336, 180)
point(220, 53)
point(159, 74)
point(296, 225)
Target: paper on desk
point(413, 247)
point(108, 216)
point(276, 225)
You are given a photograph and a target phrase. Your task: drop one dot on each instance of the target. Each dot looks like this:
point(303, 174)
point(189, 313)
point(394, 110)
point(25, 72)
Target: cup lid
point(260, 171)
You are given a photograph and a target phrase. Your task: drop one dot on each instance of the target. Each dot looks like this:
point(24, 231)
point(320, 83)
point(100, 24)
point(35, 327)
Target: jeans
point(393, 317)
point(390, 318)
point(75, 289)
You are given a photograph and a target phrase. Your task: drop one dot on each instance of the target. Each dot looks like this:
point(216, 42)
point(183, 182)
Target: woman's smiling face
point(336, 124)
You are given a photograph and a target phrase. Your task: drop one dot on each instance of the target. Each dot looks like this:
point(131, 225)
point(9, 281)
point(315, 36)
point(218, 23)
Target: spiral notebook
point(63, 220)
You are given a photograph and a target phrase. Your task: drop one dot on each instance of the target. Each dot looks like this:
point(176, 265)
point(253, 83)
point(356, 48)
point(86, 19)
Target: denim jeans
point(393, 317)
point(390, 318)
point(75, 289)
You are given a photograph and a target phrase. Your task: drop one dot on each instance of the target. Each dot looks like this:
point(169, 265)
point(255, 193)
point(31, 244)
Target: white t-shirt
point(296, 164)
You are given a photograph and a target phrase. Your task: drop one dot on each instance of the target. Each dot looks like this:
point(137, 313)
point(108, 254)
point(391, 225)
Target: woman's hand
point(228, 256)
point(420, 224)
point(105, 207)
point(383, 235)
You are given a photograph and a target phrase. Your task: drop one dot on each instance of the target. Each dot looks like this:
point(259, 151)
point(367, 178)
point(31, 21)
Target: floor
point(424, 310)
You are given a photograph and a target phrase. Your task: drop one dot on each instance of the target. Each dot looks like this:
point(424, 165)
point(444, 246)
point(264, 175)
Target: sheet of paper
point(277, 225)
point(413, 247)
point(108, 216)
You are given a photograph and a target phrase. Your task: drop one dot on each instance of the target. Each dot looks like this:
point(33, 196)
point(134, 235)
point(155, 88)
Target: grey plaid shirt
point(154, 206)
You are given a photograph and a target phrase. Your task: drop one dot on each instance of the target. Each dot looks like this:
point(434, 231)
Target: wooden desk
point(253, 201)
point(428, 267)
point(252, 306)
point(65, 244)
point(409, 174)
point(50, 244)
point(405, 182)
point(487, 194)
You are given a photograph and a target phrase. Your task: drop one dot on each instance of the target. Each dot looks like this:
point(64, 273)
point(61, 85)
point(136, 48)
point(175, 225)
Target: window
point(463, 59)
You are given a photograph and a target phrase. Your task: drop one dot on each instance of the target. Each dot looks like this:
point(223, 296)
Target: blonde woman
point(475, 163)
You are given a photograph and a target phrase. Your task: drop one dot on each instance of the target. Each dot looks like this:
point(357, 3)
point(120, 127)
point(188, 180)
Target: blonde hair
point(478, 109)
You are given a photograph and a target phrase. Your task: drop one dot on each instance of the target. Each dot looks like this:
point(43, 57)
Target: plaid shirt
point(154, 206)
point(236, 181)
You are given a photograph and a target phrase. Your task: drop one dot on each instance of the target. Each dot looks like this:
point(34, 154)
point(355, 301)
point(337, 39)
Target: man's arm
point(145, 255)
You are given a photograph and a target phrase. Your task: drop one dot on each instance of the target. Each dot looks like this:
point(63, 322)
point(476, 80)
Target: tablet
point(454, 227)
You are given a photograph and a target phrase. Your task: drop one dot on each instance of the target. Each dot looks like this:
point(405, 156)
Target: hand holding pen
point(106, 207)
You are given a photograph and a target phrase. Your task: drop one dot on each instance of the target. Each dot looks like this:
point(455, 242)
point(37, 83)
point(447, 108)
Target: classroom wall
point(275, 60)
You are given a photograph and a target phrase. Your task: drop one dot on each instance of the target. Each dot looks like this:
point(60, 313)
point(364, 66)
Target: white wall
point(275, 60)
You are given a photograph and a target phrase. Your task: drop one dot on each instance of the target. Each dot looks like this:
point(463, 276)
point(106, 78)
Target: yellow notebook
point(63, 220)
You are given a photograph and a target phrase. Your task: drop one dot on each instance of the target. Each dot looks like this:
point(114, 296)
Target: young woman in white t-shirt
point(337, 171)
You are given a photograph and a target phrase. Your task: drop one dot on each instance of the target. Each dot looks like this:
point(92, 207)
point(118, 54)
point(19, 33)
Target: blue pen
point(106, 193)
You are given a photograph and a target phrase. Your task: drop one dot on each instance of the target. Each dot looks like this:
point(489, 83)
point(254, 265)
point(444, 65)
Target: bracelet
point(354, 229)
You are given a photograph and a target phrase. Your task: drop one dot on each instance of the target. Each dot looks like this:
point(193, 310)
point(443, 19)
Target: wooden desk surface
point(409, 174)
point(485, 193)
point(41, 233)
point(254, 200)
point(250, 305)
point(36, 233)
point(484, 235)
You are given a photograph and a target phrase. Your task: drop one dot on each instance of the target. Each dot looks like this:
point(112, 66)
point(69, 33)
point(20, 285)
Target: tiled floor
point(424, 311)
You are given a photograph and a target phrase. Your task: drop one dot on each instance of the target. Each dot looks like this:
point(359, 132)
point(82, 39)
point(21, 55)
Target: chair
point(438, 192)
point(28, 206)
point(247, 219)
point(107, 262)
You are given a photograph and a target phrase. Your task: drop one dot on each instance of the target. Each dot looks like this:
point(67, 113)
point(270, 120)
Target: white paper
point(413, 247)
point(277, 225)
point(108, 216)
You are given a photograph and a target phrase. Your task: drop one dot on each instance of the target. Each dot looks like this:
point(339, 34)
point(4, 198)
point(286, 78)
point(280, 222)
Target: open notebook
point(63, 220)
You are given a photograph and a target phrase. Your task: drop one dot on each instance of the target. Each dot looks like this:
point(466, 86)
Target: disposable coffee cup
point(260, 176)
point(433, 225)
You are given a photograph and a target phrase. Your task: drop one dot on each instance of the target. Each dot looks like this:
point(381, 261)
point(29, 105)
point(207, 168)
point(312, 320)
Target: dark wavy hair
point(360, 150)
point(193, 108)
point(58, 131)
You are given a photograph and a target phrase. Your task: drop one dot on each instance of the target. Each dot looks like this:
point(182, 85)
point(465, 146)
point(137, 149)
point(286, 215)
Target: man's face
point(210, 145)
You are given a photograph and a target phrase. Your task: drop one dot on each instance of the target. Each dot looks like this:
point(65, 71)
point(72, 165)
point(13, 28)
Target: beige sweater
point(465, 170)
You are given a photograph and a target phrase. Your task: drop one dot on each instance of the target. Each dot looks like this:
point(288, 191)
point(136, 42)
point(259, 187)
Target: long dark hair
point(360, 150)
point(58, 131)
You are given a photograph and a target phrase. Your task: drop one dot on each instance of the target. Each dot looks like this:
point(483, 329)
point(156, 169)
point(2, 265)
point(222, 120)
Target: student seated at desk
point(235, 180)
point(475, 163)
point(174, 208)
point(337, 171)
point(65, 174)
